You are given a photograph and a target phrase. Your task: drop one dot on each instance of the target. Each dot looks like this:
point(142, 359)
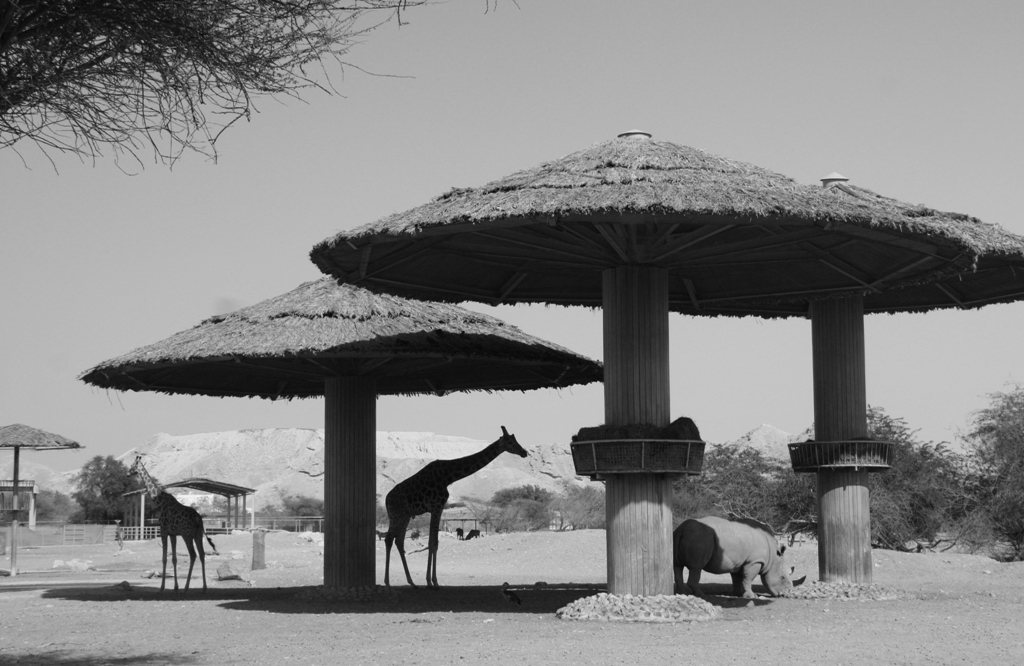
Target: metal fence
point(67, 534)
point(61, 534)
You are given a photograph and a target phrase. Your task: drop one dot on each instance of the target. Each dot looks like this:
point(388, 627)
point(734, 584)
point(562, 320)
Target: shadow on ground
point(66, 658)
point(403, 600)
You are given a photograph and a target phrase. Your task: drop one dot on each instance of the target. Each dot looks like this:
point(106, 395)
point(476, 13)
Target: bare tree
point(83, 75)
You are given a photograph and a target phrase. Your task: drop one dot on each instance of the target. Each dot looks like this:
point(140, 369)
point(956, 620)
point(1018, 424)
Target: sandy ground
point(957, 609)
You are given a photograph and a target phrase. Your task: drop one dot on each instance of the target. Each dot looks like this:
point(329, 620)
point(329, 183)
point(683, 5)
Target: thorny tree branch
point(80, 76)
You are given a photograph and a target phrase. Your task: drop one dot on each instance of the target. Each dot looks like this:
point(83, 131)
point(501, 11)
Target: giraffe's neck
point(151, 485)
point(460, 468)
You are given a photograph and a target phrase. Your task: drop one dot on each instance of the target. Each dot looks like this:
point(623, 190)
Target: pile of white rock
point(606, 607)
point(74, 565)
point(844, 592)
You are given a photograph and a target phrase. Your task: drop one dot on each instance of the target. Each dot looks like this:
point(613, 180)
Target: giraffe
point(427, 491)
point(176, 520)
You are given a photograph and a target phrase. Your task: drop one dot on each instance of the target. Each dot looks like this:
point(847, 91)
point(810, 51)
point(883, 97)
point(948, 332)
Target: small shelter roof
point(286, 346)
point(203, 485)
point(27, 437)
point(737, 239)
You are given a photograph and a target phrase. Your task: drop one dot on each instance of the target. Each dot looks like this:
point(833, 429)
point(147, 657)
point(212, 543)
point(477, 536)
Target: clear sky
point(921, 101)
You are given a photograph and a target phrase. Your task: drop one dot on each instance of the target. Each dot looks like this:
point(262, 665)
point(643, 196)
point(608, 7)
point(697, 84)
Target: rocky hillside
point(290, 461)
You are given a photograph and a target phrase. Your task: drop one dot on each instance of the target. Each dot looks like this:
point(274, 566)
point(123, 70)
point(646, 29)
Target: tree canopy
point(996, 443)
point(100, 488)
point(83, 75)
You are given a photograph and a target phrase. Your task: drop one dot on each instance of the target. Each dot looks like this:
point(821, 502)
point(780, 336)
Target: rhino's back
point(737, 543)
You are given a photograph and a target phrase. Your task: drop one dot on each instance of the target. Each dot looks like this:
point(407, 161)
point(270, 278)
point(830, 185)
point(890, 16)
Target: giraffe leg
point(163, 576)
point(400, 544)
point(432, 543)
point(191, 560)
point(396, 534)
point(174, 559)
point(202, 556)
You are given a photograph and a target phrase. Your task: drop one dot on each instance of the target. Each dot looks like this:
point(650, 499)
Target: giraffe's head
point(134, 469)
point(510, 445)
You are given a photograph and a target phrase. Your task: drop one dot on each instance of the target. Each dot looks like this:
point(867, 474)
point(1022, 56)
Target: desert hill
point(289, 461)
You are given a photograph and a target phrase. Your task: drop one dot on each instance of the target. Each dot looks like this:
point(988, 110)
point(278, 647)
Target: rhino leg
point(693, 581)
point(743, 580)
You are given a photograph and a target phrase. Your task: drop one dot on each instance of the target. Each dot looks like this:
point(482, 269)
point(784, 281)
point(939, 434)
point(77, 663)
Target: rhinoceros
point(744, 548)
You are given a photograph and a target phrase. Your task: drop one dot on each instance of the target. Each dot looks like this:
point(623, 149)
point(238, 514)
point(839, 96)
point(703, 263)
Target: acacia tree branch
point(83, 75)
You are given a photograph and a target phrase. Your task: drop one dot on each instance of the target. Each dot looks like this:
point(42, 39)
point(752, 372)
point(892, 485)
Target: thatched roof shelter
point(643, 227)
point(17, 436)
point(284, 347)
point(349, 345)
point(544, 235)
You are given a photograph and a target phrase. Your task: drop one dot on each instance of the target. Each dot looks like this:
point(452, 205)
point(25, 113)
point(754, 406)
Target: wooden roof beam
point(692, 291)
point(569, 250)
point(693, 238)
point(509, 285)
point(611, 241)
point(402, 255)
point(906, 268)
point(949, 292)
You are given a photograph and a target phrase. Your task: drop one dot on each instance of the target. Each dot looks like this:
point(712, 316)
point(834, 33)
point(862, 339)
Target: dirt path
point(957, 609)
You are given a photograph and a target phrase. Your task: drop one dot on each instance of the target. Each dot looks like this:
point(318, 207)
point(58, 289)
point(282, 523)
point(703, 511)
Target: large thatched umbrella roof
point(642, 227)
point(285, 347)
point(736, 238)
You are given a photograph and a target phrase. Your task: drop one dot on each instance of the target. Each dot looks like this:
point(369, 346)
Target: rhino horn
point(799, 581)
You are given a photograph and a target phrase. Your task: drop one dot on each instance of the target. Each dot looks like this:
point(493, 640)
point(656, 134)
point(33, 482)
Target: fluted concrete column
point(840, 412)
point(636, 390)
point(350, 482)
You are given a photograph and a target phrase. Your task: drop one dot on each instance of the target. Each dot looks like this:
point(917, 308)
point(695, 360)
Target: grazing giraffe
point(427, 491)
point(176, 520)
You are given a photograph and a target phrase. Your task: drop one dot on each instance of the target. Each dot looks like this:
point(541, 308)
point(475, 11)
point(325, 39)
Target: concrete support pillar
point(636, 390)
point(350, 482)
point(840, 412)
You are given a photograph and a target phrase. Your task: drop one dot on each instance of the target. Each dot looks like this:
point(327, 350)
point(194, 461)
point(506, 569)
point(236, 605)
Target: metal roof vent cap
point(635, 134)
point(833, 178)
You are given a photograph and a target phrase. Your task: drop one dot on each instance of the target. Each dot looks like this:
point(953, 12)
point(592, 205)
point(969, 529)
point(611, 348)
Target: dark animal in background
point(381, 535)
point(459, 533)
point(510, 596)
point(472, 534)
point(415, 534)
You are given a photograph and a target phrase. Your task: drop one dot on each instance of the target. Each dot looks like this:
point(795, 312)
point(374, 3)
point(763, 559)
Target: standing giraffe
point(427, 490)
point(176, 520)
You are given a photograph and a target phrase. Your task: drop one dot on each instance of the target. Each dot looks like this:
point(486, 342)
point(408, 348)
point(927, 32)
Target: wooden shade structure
point(350, 345)
point(643, 227)
point(17, 436)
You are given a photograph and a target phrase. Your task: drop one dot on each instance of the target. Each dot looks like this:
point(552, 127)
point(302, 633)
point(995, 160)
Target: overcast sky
point(921, 101)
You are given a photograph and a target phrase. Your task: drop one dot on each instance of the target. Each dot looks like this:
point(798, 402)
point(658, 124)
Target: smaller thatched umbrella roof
point(285, 347)
point(17, 435)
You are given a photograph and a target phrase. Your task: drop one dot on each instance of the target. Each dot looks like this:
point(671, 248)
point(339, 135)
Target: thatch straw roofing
point(736, 238)
point(285, 347)
point(26, 437)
